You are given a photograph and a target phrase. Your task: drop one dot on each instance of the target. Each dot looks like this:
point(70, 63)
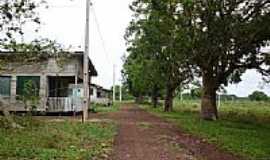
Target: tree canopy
point(157, 45)
point(14, 14)
point(227, 37)
point(258, 96)
point(217, 40)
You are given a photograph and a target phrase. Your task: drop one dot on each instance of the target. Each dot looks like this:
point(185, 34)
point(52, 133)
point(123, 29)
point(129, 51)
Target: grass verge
point(105, 109)
point(242, 128)
point(57, 141)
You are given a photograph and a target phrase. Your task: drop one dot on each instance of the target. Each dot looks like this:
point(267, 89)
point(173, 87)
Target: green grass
point(243, 127)
point(56, 141)
point(105, 109)
point(243, 111)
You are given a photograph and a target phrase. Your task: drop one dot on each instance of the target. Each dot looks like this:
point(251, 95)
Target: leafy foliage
point(30, 96)
point(217, 40)
point(226, 37)
point(258, 96)
point(156, 61)
point(196, 93)
point(14, 14)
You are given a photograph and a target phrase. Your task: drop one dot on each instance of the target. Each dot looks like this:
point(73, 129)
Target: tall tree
point(226, 37)
point(140, 72)
point(155, 27)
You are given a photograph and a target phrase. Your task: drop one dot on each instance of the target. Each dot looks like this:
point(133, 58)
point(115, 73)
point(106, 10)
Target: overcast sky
point(64, 21)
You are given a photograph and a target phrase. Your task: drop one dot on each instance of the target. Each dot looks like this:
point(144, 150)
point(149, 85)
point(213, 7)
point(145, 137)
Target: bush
point(4, 123)
point(258, 96)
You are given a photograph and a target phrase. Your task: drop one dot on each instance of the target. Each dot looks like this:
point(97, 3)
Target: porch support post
point(13, 86)
point(75, 97)
point(42, 92)
point(90, 81)
point(76, 80)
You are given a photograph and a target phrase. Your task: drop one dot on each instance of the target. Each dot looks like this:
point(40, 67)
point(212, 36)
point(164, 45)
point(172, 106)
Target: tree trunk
point(139, 99)
point(169, 99)
point(155, 101)
point(155, 97)
point(208, 104)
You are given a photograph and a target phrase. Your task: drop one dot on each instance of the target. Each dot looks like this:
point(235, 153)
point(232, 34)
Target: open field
point(69, 140)
point(243, 127)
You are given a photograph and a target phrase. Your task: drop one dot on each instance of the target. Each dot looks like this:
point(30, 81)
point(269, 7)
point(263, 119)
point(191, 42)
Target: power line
point(101, 36)
point(104, 48)
point(97, 25)
point(64, 6)
point(96, 21)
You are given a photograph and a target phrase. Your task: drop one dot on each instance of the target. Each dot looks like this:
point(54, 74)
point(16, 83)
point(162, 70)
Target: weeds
point(56, 140)
point(104, 109)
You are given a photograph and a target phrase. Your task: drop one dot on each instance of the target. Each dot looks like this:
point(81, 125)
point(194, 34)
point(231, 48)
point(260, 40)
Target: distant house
point(55, 83)
point(100, 95)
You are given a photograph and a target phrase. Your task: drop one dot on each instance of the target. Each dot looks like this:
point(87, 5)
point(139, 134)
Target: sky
point(64, 21)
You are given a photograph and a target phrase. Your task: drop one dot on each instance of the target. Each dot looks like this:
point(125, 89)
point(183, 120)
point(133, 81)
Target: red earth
point(143, 136)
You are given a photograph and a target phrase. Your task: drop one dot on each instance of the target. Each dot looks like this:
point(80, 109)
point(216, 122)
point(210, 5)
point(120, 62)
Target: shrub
point(258, 96)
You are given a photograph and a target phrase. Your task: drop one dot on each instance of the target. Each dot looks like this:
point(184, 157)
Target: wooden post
point(13, 84)
point(114, 83)
point(86, 64)
point(120, 93)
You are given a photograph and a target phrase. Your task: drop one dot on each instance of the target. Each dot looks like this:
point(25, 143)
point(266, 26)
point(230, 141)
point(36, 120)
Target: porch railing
point(64, 104)
point(103, 101)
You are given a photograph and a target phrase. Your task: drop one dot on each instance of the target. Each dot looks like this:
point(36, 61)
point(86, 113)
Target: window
point(91, 91)
point(59, 86)
point(5, 86)
point(28, 84)
point(98, 94)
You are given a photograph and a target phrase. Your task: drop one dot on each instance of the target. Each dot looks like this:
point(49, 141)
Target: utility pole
point(113, 82)
point(120, 93)
point(86, 77)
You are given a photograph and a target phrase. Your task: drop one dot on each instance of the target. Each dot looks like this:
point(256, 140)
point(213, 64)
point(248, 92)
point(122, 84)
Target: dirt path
point(142, 136)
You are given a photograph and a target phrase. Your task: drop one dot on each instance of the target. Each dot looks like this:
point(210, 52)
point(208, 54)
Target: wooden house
point(100, 95)
point(55, 80)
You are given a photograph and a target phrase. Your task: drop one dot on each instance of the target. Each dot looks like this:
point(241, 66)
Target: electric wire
point(103, 44)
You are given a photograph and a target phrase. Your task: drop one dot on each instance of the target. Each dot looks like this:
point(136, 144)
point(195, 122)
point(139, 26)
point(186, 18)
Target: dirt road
point(142, 136)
